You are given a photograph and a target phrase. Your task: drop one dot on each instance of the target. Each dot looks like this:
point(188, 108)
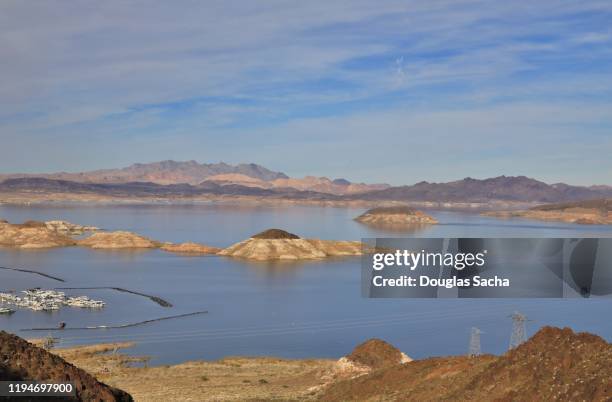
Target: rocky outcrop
point(591, 212)
point(396, 216)
point(372, 354)
point(22, 361)
point(68, 228)
point(376, 353)
point(276, 244)
point(32, 235)
point(118, 240)
point(189, 248)
point(275, 234)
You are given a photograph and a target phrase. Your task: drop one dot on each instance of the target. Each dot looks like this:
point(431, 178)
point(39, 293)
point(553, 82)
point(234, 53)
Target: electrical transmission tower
point(519, 331)
point(474, 342)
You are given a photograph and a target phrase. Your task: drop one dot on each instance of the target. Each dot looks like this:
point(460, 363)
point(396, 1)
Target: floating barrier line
point(155, 299)
point(29, 271)
point(135, 324)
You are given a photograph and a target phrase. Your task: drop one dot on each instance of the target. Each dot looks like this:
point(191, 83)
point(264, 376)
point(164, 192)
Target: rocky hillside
point(22, 361)
point(508, 188)
point(164, 172)
point(32, 187)
point(205, 174)
point(191, 179)
point(555, 364)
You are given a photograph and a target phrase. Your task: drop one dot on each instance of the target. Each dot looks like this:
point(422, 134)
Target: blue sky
point(383, 91)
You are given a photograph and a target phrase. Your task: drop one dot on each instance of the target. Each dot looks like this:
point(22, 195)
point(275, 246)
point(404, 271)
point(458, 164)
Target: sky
point(371, 91)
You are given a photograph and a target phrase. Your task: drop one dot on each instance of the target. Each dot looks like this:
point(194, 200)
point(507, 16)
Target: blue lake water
point(295, 310)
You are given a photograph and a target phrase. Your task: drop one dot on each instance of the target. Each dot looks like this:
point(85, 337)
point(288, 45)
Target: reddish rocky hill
point(554, 365)
point(22, 361)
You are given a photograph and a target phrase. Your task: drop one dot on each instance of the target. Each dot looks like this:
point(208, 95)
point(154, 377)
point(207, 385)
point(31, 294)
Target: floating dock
point(48, 300)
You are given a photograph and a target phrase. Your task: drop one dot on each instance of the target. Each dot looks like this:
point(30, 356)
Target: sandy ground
point(229, 379)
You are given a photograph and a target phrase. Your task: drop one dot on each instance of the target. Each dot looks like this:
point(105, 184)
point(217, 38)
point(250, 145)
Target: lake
point(293, 310)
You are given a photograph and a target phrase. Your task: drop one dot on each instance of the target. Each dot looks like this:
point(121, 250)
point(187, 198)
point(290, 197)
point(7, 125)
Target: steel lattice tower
point(519, 331)
point(474, 342)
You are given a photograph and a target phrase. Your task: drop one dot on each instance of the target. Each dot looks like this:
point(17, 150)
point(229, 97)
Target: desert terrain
point(555, 364)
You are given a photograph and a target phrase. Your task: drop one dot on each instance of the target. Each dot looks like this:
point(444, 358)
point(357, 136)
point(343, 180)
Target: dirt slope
point(555, 364)
point(22, 361)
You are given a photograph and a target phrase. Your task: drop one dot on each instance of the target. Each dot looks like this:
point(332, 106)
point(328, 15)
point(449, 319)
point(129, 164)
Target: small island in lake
point(277, 244)
point(395, 217)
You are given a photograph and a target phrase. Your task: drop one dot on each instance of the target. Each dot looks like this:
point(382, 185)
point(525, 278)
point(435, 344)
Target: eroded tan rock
point(370, 355)
point(276, 244)
point(118, 240)
point(32, 235)
point(69, 228)
point(189, 248)
point(395, 216)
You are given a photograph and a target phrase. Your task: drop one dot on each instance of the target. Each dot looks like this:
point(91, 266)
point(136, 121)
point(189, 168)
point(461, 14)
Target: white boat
point(6, 311)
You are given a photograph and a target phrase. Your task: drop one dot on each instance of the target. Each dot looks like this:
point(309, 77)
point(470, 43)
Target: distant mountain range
point(164, 172)
point(506, 188)
point(194, 173)
point(184, 179)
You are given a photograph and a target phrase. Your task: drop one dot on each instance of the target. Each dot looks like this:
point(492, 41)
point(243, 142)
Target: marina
point(47, 300)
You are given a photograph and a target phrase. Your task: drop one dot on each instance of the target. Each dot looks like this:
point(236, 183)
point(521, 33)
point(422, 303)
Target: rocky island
point(32, 235)
point(118, 240)
point(276, 244)
point(40, 235)
point(591, 212)
point(395, 217)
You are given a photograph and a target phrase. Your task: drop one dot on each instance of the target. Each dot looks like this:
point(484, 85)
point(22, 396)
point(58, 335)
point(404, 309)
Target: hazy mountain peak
point(341, 182)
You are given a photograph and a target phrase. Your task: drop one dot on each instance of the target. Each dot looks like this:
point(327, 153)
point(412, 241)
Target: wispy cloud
point(233, 79)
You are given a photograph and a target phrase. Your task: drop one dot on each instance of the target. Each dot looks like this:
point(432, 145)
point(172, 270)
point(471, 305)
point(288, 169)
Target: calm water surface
point(309, 309)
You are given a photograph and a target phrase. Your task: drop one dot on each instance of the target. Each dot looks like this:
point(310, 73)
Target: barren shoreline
point(36, 199)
